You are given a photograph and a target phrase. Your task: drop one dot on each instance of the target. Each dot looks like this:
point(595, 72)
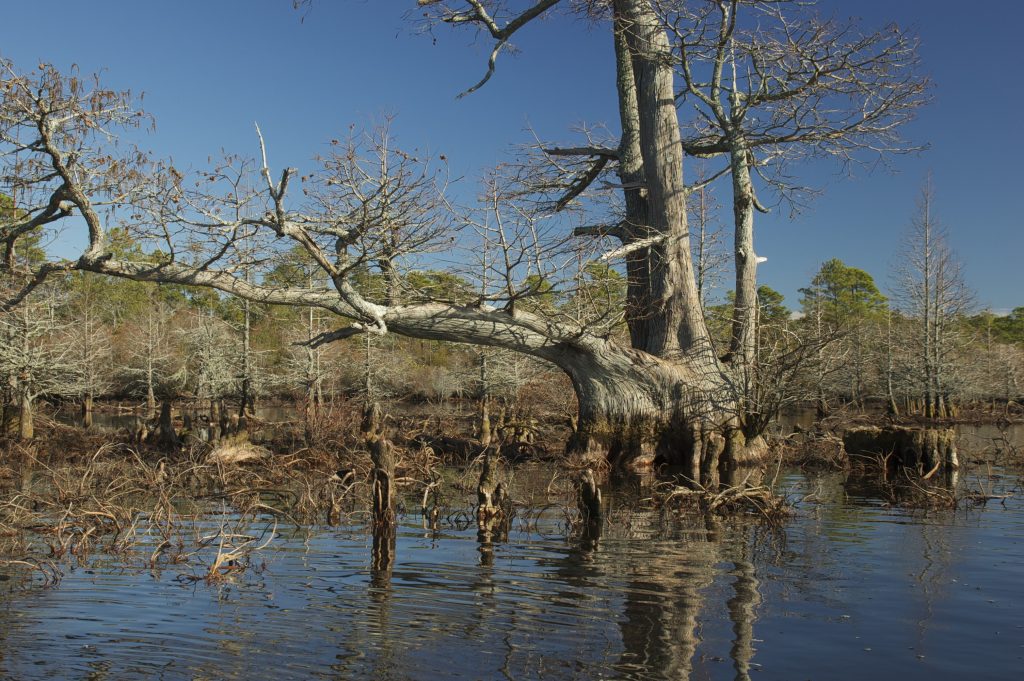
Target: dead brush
point(759, 500)
point(818, 453)
point(987, 490)
point(909, 491)
point(234, 549)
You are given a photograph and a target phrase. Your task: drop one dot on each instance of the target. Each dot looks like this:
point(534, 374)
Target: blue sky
point(210, 69)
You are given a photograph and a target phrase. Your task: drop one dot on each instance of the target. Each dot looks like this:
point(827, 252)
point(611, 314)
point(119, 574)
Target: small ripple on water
point(868, 587)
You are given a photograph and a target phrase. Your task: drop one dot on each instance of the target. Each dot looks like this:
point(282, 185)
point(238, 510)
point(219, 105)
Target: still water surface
point(850, 588)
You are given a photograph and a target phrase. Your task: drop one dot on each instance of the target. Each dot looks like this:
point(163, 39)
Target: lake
point(848, 588)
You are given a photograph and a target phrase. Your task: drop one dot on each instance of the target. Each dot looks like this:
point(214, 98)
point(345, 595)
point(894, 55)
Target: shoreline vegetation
point(73, 492)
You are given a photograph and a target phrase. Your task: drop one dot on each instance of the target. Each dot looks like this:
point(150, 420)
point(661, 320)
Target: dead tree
point(930, 289)
point(771, 83)
point(370, 211)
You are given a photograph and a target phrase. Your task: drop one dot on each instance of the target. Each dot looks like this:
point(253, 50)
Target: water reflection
point(851, 589)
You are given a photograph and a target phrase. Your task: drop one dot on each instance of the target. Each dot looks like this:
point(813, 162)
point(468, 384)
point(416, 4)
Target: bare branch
point(477, 14)
point(583, 151)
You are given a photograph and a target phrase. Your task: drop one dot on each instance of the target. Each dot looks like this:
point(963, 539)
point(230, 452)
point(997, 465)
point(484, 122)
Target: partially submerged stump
point(589, 501)
point(490, 491)
point(382, 454)
point(167, 437)
point(925, 450)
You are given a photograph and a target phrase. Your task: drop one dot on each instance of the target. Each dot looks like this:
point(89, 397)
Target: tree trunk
point(215, 425)
point(167, 436)
point(666, 400)
point(382, 455)
point(26, 430)
point(589, 500)
point(640, 411)
point(87, 412)
point(663, 310)
point(744, 319)
point(485, 423)
point(490, 491)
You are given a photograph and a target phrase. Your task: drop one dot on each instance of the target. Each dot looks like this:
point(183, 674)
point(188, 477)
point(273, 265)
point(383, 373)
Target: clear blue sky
point(209, 69)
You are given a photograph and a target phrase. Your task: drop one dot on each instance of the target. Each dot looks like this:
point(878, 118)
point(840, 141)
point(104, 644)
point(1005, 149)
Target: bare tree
point(931, 289)
point(771, 83)
point(211, 370)
point(371, 210)
point(89, 345)
point(35, 357)
point(149, 363)
point(710, 257)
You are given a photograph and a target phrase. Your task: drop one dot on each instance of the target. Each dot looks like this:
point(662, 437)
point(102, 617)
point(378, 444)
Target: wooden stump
point(490, 491)
point(589, 501)
point(383, 457)
point(167, 437)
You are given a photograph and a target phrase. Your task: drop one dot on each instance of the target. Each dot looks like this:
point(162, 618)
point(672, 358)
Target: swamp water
point(848, 588)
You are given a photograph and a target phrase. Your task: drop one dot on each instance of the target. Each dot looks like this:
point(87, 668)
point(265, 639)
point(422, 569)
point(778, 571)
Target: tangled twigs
point(235, 549)
point(755, 499)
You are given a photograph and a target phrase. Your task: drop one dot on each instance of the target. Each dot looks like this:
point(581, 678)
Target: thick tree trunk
point(663, 312)
point(640, 411)
point(667, 400)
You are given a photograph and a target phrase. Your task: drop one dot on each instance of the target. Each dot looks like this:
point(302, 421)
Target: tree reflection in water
point(666, 589)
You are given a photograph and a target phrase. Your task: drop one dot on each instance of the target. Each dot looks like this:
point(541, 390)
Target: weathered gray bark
point(744, 320)
point(637, 410)
point(382, 455)
point(383, 458)
point(664, 313)
point(490, 492)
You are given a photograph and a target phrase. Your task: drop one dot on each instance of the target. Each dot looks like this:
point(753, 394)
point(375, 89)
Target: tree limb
point(581, 183)
point(583, 151)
